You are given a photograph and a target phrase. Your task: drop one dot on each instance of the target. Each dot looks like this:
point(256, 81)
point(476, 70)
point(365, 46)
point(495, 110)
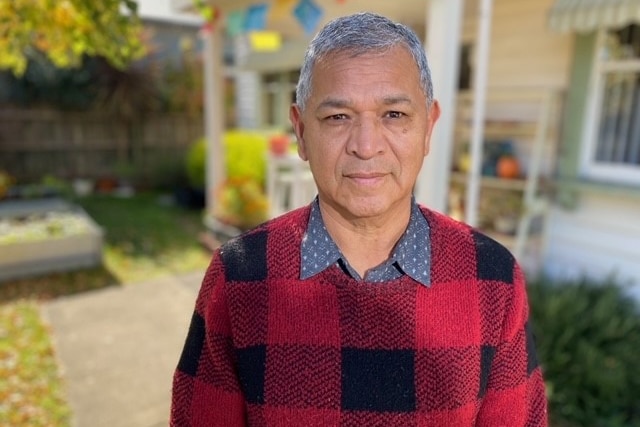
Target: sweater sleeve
point(206, 389)
point(515, 391)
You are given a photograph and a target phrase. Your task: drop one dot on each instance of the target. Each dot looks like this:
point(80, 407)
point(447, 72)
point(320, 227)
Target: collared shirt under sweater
point(411, 254)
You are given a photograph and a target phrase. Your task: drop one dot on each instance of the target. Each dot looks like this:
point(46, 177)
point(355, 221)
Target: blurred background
point(137, 136)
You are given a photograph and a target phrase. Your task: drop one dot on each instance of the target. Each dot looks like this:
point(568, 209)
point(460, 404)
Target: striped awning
point(590, 15)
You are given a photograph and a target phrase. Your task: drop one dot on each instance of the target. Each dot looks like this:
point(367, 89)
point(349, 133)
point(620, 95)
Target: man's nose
point(366, 139)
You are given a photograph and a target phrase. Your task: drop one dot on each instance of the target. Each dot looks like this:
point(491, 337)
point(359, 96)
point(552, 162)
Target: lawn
point(145, 238)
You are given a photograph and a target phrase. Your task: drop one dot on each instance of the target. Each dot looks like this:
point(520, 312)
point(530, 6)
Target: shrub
point(245, 154)
point(588, 339)
point(195, 163)
point(240, 199)
point(6, 181)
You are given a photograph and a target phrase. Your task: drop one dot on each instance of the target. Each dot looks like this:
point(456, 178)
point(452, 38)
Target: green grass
point(30, 388)
point(144, 239)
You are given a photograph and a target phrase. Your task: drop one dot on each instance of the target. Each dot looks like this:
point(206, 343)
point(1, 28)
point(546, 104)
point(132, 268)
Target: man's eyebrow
point(396, 99)
point(334, 103)
point(344, 103)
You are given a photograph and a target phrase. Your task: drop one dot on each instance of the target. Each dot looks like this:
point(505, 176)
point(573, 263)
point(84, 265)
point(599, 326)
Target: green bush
point(245, 155)
point(588, 341)
point(195, 163)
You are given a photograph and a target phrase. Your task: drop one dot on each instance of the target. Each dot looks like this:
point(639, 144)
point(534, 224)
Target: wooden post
point(479, 107)
point(443, 24)
point(214, 113)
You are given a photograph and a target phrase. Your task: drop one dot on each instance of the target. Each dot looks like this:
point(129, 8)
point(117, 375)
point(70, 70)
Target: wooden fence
point(36, 143)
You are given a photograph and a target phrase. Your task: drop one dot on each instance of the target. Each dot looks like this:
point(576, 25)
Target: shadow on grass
point(54, 285)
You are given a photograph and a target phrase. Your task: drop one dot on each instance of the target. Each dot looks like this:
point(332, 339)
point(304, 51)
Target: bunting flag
point(308, 15)
point(281, 8)
point(256, 17)
point(265, 41)
point(235, 23)
point(211, 15)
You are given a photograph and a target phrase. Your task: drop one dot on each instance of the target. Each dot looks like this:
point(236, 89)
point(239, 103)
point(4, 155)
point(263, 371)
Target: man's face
point(365, 132)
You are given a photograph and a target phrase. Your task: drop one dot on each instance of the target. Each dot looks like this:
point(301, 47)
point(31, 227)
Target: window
point(613, 125)
point(465, 69)
point(279, 93)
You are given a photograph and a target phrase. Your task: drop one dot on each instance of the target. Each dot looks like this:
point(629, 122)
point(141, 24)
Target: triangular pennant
point(235, 23)
point(211, 15)
point(256, 17)
point(281, 8)
point(308, 15)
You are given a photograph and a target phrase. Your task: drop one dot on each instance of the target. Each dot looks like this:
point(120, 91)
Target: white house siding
point(599, 237)
point(524, 56)
point(524, 53)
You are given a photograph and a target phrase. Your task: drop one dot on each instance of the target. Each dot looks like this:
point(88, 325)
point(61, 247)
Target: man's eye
point(395, 114)
point(337, 117)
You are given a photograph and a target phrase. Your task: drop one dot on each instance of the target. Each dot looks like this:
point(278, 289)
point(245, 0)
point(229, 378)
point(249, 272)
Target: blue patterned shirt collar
point(411, 255)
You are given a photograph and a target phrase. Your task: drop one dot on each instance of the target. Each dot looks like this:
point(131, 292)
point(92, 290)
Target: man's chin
point(363, 207)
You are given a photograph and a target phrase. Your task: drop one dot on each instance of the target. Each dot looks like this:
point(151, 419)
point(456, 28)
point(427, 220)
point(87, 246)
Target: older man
point(364, 308)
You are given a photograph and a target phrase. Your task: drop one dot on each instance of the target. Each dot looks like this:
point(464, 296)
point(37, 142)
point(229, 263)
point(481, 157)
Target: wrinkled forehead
point(330, 61)
point(327, 62)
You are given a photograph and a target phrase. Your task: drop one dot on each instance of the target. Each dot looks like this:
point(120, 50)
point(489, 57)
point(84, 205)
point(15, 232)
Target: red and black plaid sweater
point(267, 349)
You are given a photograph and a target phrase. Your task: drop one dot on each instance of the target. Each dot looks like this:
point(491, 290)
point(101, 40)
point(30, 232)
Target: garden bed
point(46, 235)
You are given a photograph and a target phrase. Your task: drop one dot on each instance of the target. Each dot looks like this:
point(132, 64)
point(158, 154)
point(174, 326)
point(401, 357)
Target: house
point(170, 32)
point(594, 221)
point(558, 82)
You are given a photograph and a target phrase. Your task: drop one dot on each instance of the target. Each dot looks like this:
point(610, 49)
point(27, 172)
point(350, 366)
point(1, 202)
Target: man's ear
point(432, 117)
point(295, 116)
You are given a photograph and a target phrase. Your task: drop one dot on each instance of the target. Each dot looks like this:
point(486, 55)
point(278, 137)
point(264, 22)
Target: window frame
point(590, 168)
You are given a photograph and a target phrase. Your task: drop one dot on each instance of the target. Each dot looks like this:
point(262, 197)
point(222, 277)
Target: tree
point(67, 30)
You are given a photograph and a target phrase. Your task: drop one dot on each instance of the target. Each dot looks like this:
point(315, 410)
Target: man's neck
point(366, 242)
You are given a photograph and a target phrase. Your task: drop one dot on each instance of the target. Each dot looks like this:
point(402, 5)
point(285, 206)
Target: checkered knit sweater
point(265, 348)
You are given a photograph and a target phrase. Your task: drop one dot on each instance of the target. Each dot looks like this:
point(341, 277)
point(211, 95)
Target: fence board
point(35, 143)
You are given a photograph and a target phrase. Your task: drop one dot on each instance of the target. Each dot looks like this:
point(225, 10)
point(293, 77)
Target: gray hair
point(359, 34)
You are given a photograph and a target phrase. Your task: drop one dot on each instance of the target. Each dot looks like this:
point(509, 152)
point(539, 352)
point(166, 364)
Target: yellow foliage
point(64, 15)
point(65, 30)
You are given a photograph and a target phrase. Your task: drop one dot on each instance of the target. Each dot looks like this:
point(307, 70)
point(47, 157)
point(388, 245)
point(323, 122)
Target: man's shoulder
point(279, 230)
point(249, 255)
point(446, 229)
point(458, 246)
point(440, 223)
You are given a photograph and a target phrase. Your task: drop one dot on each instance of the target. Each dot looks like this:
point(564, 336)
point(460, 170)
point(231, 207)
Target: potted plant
point(279, 144)
point(241, 203)
point(508, 213)
point(191, 192)
point(6, 181)
point(245, 157)
point(82, 187)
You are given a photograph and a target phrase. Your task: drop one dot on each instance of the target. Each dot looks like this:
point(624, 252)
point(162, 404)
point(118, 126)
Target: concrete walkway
point(118, 347)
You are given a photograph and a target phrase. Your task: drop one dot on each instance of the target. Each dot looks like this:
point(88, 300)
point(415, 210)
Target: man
point(364, 308)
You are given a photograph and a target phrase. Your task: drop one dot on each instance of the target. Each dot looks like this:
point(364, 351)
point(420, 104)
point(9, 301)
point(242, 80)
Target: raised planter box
point(46, 235)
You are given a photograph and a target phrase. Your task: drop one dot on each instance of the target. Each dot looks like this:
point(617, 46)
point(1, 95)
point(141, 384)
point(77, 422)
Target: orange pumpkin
point(508, 167)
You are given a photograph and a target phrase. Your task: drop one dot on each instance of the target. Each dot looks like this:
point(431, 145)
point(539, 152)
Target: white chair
point(290, 183)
